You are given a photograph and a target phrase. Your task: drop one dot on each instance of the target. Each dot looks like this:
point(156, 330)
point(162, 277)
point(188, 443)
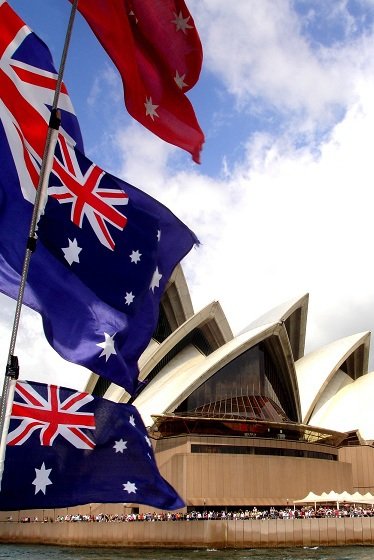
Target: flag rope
point(12, 367)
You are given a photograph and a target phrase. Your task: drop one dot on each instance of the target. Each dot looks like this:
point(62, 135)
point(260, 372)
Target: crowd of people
point(307, 512)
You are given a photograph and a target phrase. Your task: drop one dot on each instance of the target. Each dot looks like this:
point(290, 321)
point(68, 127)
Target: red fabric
point(149, 44)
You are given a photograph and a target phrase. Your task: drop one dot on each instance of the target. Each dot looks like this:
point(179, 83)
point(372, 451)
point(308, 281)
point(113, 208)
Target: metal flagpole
point(12, 367)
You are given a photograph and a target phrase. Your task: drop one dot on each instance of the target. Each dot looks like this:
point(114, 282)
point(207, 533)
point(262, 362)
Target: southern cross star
point(132, 14)
point(181, 22)
point(150, 108)
point(155, 282)
point(129, 298)
point(179, 80)
point(108, 346)
point(135, 256)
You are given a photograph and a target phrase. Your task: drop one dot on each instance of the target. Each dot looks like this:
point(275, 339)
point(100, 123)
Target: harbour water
point(35, 552)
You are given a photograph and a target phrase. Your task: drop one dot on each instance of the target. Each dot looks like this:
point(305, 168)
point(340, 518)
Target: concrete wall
point(362, 461)
point(185, 534)
point(217, 479)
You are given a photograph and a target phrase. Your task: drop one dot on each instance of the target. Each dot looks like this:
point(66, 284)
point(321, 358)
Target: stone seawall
point(203, 534)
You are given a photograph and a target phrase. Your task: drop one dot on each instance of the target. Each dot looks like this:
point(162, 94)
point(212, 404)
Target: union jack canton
point(52, 415)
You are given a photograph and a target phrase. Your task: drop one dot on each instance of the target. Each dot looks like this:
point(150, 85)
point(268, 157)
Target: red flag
point(157, 50)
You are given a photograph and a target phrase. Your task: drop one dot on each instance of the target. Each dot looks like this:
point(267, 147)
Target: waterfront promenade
point(266, 533)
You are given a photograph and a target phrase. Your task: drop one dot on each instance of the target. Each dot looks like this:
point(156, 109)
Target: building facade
point(251, 419)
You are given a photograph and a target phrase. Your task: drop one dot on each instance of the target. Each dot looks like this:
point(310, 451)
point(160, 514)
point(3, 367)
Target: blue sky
point(283, 199)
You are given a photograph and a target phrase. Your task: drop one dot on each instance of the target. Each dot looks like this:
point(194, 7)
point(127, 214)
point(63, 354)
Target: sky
point(282, 201)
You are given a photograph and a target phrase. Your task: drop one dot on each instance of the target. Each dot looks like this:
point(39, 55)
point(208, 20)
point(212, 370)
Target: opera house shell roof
point(252, 419)
point(195, 368)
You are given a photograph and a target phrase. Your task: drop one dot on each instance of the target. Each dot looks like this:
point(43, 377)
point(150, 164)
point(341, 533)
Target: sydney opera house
point(251, 419)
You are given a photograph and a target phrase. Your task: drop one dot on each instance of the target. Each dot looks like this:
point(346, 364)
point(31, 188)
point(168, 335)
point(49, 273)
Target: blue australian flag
point(105, 249)
point(67, 448)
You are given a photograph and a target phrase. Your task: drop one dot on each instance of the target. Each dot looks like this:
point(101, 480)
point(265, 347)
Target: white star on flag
point(179, 80)
point(120, 445)
point(130, 487)
point(135, 256)
point(41, 480)
point(132, 14)
point(148, 441)
point(71, 253)
point(150, 109)
point(132, 420)
point(155, 282)
point(129, 298)
point(181, 22)
point(108, 346)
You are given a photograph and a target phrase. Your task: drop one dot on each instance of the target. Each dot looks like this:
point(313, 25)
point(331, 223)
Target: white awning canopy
point(338, 497)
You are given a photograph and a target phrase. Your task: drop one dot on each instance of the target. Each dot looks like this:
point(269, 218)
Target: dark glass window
point(101, 387)
point(163, 329)
point(274, 451)
point(252, 374)
point(195, 338)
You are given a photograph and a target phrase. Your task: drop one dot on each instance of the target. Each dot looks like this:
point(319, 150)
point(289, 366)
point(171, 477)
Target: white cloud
point(307, 219)
point(261, 55)
point(37, 360)
point(282, 222)
point(138, 144)
point(106, 85)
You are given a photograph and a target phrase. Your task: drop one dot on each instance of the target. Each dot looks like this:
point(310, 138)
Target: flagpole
point(12, 367)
